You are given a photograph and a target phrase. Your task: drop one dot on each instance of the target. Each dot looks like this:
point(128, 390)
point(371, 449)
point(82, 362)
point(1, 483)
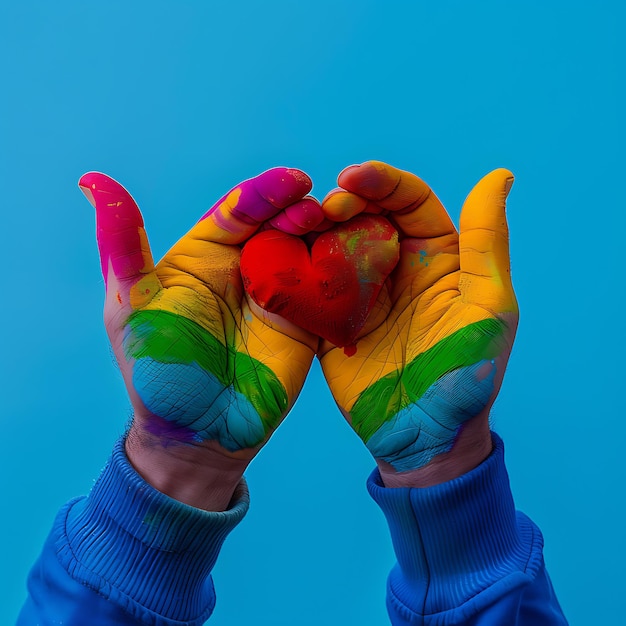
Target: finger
point(238, 215)
point(299, 218)
point(122, 240)
point(415, 209)
point(340, 205)
point(484, 245)
point(278, 194)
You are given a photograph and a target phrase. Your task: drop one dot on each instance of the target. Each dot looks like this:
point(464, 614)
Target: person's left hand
point(208, 380)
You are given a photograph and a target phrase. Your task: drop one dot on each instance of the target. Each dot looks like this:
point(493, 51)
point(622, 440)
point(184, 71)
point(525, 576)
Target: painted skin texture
point(431, 358)
point(200, 369)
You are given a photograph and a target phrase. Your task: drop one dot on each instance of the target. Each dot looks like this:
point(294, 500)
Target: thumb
point(125, 256)
point(484, 245)
point(122, 240)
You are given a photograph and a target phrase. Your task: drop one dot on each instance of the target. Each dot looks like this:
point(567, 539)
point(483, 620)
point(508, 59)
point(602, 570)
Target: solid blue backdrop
point(179, 101)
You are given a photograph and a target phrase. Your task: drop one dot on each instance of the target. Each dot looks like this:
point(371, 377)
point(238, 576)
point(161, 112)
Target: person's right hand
point(208, 380)
point(429, 363)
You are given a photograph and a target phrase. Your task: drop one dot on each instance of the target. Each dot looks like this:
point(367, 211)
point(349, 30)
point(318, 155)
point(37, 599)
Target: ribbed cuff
point(142, 549)
point(457, 540)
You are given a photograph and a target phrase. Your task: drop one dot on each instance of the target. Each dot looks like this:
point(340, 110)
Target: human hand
point(431, 358)
point(208, 381)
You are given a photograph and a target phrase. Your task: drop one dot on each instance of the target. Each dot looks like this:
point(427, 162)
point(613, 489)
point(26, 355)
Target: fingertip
point(505, 175)
point(87, 178)
point(271, 195)
point(340, 205)
point(282, 186)
point(347, 172)
point(500, 179)
point(85, 185)
point(299, 218)
point(301, 178)
point(372, 179)
point(102, 190)
point(100, 181)
point(307, 213)
point(122, 241)
point(491, 190)
point(486, 205)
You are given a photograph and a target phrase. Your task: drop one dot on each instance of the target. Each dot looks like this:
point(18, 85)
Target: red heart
point(330, 290)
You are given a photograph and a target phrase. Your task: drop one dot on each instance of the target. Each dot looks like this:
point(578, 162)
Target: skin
point(210, 374)
point(206, 388)
point(430, 361)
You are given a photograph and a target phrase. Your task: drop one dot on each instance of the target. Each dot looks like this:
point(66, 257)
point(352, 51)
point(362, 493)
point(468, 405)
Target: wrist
point(202, 476)
point(472, 445)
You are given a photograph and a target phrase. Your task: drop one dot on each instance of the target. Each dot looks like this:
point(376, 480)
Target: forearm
point(465, 556)
point(128, 554)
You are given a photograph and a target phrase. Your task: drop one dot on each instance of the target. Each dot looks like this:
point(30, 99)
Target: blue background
point(182, 100)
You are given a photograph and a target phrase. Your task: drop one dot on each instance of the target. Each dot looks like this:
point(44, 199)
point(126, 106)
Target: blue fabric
point(129, 555)
point(465, 556)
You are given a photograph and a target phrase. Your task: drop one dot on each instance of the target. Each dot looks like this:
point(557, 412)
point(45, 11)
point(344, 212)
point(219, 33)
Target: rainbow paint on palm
point(199, 366)
point(414, 414)
point(446, 324)
point(205, 389)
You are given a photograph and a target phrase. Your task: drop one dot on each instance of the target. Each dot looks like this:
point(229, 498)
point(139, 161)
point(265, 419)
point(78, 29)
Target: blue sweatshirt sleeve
point(464, 555)
point(127, 555)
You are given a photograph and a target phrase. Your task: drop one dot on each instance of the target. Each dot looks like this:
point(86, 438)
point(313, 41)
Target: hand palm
point(198, 366)
point(442, 333)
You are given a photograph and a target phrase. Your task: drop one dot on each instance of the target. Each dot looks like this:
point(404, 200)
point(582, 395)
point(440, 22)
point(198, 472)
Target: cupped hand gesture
point(208, 381)
point(430, 360)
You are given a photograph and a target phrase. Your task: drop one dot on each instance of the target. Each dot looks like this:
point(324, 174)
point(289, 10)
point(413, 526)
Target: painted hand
point(430, 360)
point(206, 378)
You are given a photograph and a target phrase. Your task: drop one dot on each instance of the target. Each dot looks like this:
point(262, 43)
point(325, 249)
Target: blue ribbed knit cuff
point(144, 550)
point(457, 540)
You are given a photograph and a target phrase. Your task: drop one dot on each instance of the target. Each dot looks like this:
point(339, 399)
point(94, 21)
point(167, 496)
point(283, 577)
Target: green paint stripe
point(170, 338)
point(389, 395)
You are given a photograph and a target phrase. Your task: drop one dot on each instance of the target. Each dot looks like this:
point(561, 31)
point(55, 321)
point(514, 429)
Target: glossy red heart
point(330, 289)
